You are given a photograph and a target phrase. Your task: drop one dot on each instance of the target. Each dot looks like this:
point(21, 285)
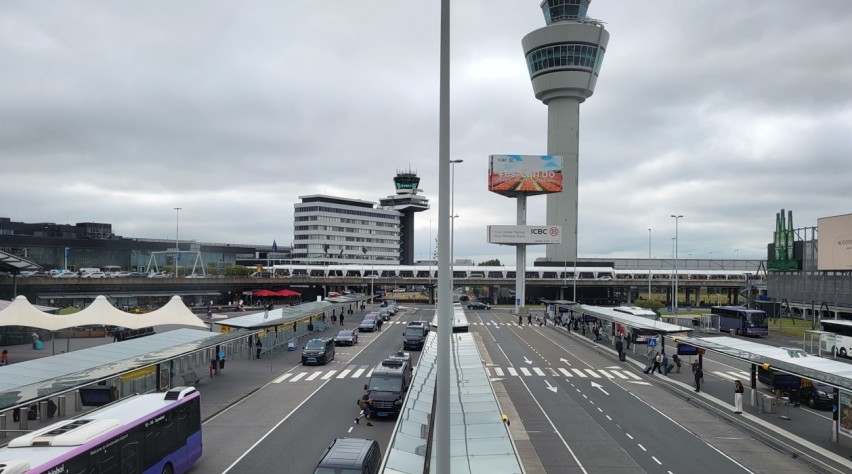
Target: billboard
point(834, 246)
point(513, 175)
point(524, 234)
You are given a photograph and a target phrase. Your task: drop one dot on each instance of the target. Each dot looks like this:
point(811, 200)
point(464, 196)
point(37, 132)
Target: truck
point(388, 385)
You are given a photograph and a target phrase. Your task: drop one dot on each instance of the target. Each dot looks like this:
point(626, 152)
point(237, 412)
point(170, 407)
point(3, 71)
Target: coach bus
point(842, 330)
point(156, 433)
point(744, 321)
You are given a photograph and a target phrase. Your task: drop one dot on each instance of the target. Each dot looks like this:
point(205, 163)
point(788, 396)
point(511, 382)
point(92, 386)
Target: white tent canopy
point(100, 313)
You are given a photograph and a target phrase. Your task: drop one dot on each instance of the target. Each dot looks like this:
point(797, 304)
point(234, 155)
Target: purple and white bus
point(744, 321)
point(156, 433)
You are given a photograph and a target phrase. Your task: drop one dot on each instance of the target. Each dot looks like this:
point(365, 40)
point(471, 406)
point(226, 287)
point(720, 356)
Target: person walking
point(35, 339)
point(738, 396)
point(520, 320)
point(258, 345)
point(677, 362)
point(619, 347)
point(379, 324)
point(658, 360)
point(699, 374)
point(4, 358)
point(665, 364)
point(341, 319)
point(529, 319)
point(364, 404)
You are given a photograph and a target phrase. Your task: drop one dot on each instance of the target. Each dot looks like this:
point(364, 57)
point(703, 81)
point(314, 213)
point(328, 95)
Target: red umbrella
point(286, 292)
point(264, 293)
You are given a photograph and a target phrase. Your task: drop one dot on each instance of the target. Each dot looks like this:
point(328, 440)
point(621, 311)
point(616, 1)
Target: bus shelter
point(789, 362)
point(283, 326)
point(636, 330)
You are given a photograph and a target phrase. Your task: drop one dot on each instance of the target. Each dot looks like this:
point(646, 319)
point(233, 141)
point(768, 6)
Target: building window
point(587, 56)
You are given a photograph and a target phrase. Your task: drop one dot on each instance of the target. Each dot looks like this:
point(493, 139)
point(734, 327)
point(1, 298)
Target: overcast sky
point(120, 111)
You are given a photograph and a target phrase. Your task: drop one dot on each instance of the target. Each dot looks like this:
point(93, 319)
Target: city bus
point(156, 433)
point(842, 330)
point(744, 321)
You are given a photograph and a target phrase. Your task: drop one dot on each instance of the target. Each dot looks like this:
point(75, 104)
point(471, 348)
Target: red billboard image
point(511, 175)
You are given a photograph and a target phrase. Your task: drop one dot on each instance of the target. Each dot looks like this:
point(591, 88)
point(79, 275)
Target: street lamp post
point(649, 264)
point(674, 296)
point(177, 238)
point(453, 215)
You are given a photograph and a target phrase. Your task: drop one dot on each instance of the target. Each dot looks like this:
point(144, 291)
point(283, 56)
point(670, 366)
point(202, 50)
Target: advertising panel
point(524, 234)
point(513, 175)
point(845, 408)
point(834, 246)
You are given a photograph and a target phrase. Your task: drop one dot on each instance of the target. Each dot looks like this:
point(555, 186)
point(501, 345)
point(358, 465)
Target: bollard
point(78, 403)
point(61, 410)
point(23, 412)
point(42, 411)
point(3, 425)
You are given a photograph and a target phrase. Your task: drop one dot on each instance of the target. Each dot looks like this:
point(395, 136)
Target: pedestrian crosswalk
point(732, 374)
point(488, 323)
point(608, 373)
point(364, 371)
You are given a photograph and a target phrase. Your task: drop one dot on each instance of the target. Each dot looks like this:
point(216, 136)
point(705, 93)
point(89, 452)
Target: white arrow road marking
point(638, 382)
point(551, 387)
point(527, 360)
point(496, 379)
point(566, 362)
point(599, 387)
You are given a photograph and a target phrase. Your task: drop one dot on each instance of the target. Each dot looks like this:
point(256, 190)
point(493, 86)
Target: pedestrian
point(364, 404)
point(379, 324)
point(665, 364)
point(4, 358)
point(529, 319)
point(597, 332)
point(658, 359)
point(35, 339)
point(520, 320)
point(583, 328)
point(333, 319)
point(341, 319)
point(628, 340)
point(677, 362)
point(259, 346)
point(738, 396)
point(699, 375)
point(619, 347)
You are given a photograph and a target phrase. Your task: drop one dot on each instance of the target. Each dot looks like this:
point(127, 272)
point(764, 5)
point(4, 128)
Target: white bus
point(842, 329)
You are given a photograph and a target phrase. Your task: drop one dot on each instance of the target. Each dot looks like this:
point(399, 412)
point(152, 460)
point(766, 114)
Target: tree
point(494, 262)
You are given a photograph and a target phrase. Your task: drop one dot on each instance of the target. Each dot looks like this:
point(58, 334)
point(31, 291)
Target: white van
point(84, 271)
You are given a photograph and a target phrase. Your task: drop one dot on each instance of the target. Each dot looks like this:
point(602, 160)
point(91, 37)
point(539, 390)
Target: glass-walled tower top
point(564, 10)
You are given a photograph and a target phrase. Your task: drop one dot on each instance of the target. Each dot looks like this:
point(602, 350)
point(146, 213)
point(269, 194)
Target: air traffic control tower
point(407, 202)
point(564, 59)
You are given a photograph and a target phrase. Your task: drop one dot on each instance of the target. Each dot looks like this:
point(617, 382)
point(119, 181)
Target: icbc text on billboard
point(524, 234)
point(512, 175)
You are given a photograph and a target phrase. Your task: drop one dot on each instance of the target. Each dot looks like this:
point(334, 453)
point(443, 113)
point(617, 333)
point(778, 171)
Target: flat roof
point(13, 263)
point(481, 441)
point(289, 314)
point(795, 362)
point(30, 380)
point(638, 322)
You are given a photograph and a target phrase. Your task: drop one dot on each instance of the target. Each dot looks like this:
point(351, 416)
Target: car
point(478, 305)
point(384, 314)
point(65, 275)
point(318, 351)
point(817, 394)
point(368, 324)
point(159, 275)
point(95, 275)
point(351, 455)
point(346, 337)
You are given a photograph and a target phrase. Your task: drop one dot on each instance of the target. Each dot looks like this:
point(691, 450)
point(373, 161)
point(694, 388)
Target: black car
point(817, 395)
point(368, 324)
point(318, 351)
point(478, 305)
point(346, 337)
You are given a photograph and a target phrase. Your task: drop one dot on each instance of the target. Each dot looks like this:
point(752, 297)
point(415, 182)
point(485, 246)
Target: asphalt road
point(574, 406)
point(286, 425)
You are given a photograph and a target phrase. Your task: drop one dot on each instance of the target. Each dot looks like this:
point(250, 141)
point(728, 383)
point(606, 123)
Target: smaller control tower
point(407, 202)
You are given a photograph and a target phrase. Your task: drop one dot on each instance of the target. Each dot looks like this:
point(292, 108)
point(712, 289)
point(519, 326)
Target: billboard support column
point(521, 258)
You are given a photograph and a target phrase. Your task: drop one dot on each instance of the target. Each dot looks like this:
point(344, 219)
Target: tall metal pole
point(453, 215)
point(445, 275)
point(565, 265)
point(674, 297)
point(177, 238)
point(649, 264)
point(576, 256)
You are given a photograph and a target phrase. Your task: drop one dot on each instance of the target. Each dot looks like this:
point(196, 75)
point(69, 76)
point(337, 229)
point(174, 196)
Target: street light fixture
point(649, 264)
point(177, 238)
point(674, 296)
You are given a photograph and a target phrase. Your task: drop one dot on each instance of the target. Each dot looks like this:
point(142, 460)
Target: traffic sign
point(652, 342)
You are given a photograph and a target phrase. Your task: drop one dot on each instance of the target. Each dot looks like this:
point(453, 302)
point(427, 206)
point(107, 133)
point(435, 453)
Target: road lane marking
point(329, 374)
point(343, 373)
point(512, 371)
point(298, 376)
point(593, 373)
point(498, 371)
point(580, 373)
point(565, 372)
point(525, 371)
point(314, 375)
point(538, 371)
point(282, 378)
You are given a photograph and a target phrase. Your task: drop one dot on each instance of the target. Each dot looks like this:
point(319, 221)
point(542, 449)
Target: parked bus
point(157, 433)
point(842, 329)
point(744, 321)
